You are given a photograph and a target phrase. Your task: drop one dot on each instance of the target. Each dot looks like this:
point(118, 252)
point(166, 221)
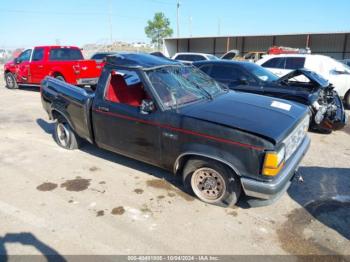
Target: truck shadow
point(325, 196)
point(29, 88)
point(119, 159)
point(28, 239)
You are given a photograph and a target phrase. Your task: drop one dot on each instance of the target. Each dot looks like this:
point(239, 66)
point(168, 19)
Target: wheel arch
point(55, 73)
point(183, 158)
point(57, 114)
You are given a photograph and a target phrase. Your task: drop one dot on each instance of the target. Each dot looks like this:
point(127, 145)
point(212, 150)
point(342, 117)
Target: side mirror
point(17, 61)
point(147, 106)
point(243, 80)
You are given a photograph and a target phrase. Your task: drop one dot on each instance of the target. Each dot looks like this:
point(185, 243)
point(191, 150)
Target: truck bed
point(70, 102)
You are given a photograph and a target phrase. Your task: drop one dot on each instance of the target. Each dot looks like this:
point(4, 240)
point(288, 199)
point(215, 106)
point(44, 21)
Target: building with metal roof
point(336, 45)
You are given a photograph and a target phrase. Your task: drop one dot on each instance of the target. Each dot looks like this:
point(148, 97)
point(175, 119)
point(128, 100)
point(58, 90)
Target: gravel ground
point(94, 202)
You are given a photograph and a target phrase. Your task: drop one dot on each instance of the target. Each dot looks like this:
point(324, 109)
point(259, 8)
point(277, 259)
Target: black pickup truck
point(301, 85)
point(176, 117)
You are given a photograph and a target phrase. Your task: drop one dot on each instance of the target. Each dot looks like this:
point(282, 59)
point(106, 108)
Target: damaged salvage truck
point(173, 116)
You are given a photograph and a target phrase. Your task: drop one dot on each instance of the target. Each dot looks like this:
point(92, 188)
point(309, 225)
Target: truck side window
point(25, 56)
point(65, 54)
point(38, 54)
point(125, 87)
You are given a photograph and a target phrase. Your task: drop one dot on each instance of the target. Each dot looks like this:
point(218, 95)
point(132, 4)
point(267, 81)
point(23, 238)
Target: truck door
point(22, 68)
point(118, 123)
point(37, 66)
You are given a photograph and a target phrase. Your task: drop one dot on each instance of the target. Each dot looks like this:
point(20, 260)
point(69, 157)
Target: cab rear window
point(65, 54)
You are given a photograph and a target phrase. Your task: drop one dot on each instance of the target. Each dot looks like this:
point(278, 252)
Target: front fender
point(245, 162)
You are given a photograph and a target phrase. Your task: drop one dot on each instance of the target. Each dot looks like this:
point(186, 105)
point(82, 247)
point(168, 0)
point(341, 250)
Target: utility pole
point(177, 17)
point(110, 21)
point(219, 26)
point(190, 26)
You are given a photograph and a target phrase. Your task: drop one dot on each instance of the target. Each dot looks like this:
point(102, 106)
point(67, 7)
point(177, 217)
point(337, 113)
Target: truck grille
point(293, 141)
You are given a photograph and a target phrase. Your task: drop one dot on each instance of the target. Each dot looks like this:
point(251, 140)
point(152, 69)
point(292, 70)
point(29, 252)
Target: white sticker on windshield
point(281, 105)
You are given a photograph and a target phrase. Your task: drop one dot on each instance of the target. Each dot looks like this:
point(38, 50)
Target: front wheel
point(65, 137)
point(11, 82)
point(212, 182)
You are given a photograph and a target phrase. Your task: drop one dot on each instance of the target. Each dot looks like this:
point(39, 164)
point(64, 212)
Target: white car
point(193, 57)
point(337, 73)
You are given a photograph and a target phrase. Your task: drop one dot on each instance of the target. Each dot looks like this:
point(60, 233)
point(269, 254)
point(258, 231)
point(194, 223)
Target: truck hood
point(267, 117)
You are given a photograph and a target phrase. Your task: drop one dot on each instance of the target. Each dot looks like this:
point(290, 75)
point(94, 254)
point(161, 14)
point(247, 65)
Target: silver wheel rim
point(208, 184)
point(62, 135)
point(9, 81)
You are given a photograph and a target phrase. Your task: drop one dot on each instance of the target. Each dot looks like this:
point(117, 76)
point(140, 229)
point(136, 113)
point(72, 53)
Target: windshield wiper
point(210, 96)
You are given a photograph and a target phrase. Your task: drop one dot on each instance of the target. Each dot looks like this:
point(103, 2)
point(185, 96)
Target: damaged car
point(301, 85)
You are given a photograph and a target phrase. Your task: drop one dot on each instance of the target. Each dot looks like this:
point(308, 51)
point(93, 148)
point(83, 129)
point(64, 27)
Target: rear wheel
point(11, 82)
point(61, 78)
point(65, 137)
point(347, 100)
point(212, 182)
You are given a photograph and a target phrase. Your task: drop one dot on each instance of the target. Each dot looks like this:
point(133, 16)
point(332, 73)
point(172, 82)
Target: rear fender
point(58, 114)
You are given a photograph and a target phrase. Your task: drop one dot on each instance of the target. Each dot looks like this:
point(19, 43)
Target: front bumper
point(273, 189)
point(87, 81)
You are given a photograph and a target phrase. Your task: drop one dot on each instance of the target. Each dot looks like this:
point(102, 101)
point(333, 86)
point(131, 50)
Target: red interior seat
point(119, 92)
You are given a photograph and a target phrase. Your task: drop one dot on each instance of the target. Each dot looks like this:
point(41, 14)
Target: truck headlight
point(273, 162)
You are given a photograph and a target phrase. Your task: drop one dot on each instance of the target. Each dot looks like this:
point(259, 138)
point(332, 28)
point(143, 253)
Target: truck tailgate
point(71, 102)
point(88, 72)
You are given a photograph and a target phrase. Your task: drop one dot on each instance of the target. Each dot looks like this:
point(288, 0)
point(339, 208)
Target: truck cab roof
point(139, 60)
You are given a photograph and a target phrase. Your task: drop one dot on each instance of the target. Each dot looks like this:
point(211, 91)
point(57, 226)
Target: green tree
point(158, 28)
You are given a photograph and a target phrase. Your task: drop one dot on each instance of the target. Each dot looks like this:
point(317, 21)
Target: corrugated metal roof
point(226, 36)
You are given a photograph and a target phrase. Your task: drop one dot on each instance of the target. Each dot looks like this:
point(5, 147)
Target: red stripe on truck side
point(185, 131)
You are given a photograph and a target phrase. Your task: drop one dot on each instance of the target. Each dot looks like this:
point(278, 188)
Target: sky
point(26, 23)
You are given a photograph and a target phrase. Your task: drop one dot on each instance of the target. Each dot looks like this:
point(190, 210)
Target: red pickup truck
point(62, 62)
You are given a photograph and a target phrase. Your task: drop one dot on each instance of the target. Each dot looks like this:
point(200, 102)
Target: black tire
point(11, 82)
point(65, 137)
point(225, 195)
point(347, 100)
point(61, 78)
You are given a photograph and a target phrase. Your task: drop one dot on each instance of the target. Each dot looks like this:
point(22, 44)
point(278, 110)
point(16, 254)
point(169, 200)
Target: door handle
point(104, 109)
point(40, 66)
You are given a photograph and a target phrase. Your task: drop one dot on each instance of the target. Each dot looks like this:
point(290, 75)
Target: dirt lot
point(94, 202)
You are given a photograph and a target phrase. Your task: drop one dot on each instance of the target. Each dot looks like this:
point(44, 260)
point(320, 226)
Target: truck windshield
point(180, 85)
